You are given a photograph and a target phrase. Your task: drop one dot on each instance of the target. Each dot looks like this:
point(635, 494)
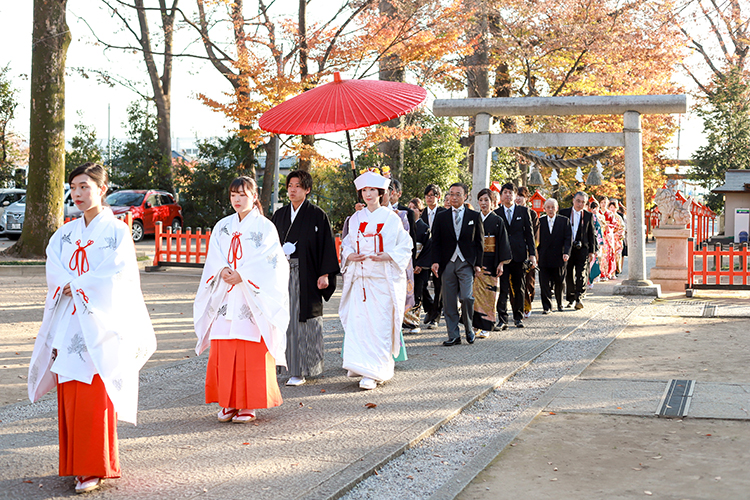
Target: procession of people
point(259, 305)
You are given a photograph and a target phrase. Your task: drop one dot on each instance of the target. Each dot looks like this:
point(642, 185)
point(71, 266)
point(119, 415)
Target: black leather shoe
point(519, 324)
point(560, 307)
point(570, 304)
point(470, 340)
point(451, 342)
point(546, 311)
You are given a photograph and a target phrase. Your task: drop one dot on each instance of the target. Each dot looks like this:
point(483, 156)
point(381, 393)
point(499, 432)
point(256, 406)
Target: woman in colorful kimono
point(96, 333)
point(242, 309)
point(618, 234)
point(496, 253)
point(596, 266)
point(375, 254)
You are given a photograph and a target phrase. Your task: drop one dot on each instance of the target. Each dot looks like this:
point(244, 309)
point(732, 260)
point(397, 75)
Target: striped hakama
point(304, 340)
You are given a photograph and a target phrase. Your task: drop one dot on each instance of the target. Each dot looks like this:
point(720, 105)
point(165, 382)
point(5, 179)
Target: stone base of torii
point(631, 107)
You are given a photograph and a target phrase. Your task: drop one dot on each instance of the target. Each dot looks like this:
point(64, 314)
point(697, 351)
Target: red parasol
point(342, 105)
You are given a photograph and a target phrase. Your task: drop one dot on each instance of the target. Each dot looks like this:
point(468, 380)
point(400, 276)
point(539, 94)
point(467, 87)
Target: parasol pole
point(351, 158)
point(351, 154)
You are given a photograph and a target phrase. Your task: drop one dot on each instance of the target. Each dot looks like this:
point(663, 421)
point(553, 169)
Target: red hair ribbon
point(79, 262)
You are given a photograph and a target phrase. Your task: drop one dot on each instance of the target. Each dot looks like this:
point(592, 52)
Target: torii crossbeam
point(631, 107)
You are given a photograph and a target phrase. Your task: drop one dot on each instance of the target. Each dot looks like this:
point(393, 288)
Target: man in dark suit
point(583, 250)
point(433, 307)
point(457, 249)
point(521, 235)
point(555, 238)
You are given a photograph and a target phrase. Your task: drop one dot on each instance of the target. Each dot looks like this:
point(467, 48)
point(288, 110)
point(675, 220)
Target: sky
point(190, 118)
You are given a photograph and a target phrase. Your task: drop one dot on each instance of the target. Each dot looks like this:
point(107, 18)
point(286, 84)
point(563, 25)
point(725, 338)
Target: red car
point(148, 207)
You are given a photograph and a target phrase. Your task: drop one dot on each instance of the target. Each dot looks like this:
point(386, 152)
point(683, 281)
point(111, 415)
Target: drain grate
point(710, 310)
point(676, 399)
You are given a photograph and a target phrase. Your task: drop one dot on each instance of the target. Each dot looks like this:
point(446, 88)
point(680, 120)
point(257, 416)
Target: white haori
point(374, 293)
point(104, 327)
point(256, 308)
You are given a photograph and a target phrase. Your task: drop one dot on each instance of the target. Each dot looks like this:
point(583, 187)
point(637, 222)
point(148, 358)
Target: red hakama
point(88, 430)
point(241, 374)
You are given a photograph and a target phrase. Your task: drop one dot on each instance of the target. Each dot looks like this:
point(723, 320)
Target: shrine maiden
point(375, 254)
point(96, 333)
point(242, 309)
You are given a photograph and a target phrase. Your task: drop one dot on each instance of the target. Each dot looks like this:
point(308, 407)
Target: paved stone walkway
point(320, 442)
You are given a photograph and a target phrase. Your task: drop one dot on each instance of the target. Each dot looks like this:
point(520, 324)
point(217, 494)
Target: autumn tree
point(264, 67)
point(44, 195)
point(569, 48)
point(719, 37)
point(134, 20)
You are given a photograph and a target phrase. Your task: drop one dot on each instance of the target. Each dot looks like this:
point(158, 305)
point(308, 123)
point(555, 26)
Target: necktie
point(431, 217)
point(508, 214)
point(456, 225)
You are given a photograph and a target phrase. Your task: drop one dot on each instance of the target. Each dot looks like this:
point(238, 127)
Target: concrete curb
point(23, 270)
point(352, 475)
point(456, 484)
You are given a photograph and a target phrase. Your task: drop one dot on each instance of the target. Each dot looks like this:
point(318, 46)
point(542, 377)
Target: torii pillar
point(631, 107)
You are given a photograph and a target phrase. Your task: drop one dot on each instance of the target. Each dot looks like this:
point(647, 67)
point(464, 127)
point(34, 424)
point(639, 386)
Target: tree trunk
point(161, 86)
point(44, 196)
point(477, 75)
point(268, 174)
point(305, 163)
point(391, 68)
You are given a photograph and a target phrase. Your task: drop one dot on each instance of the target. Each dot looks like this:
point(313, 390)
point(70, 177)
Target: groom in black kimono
point(307, 240)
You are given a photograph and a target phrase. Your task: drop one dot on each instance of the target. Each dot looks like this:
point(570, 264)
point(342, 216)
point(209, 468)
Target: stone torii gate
point(631, 107)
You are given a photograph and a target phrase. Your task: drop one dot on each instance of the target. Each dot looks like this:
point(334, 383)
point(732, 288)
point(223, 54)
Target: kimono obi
point(489, 244)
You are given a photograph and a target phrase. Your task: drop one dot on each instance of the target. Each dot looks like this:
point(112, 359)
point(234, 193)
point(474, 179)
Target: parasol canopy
point(342, 105)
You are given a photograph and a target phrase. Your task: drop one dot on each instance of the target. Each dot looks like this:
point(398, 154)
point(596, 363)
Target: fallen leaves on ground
point(370, 405)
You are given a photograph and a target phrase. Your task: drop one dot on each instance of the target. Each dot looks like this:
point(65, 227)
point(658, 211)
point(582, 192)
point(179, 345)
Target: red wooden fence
point(718, 267)
point(180, 249)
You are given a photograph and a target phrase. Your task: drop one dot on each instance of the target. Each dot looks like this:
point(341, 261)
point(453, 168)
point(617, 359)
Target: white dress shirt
point(457, 227)
point(551, 222)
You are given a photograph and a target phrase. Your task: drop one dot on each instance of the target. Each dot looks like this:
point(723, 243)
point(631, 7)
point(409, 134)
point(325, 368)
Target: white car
point(8, 197)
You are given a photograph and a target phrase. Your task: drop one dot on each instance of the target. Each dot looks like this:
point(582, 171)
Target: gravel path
point(423, 469)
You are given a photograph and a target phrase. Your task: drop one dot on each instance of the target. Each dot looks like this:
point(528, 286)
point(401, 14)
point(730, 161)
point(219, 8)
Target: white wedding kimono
point(104, 328)
point(374, 293)
point(256, 308)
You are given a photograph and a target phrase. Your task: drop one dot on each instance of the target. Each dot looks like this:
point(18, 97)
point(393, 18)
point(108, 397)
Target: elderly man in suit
point(433, 306)
point(583, 250)
point(555, 238)
point(523, 247)
point(457, 250)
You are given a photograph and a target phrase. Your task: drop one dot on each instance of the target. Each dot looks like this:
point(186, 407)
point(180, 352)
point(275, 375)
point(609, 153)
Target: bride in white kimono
point(375, 253)
point(96, 333)
point(242, 309)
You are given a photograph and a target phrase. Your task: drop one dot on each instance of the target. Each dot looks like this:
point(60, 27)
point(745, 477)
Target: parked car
point(11, 221)
point(69, 207)
point(8, 197)
point(148, 207)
